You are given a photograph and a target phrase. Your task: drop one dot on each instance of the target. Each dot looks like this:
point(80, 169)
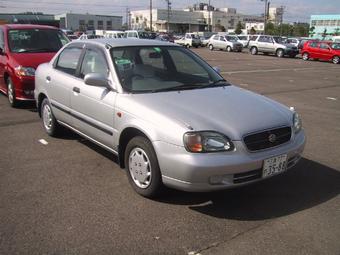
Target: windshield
point(154, 69)
point(278, 39)
point(335, 46)
point(36, 40)
point(231, 38)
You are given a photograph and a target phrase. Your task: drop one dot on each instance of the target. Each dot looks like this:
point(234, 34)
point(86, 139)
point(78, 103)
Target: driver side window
point(94, 62)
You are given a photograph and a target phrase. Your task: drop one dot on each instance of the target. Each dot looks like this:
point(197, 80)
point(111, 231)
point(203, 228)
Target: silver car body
point(225, 42)
point(103, 114)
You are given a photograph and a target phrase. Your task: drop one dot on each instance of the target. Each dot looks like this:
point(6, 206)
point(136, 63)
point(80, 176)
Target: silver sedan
point(171, 118)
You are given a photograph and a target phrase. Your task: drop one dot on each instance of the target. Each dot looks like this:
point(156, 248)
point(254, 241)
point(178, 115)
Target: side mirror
point(1, 51)
point(217, 69)
point(97, 80)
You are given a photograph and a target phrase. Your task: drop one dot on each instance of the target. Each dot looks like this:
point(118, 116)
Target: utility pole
point(127, 17)
point(265, 14)
point(282, 11)
point(209, 18)
point(169, 9)
point(151, 15)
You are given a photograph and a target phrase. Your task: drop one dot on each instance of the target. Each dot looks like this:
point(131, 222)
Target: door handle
point(76, 89)
point(48, 78)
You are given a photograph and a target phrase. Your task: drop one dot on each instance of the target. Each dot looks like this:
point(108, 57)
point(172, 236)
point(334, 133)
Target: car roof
point(26, 26)
point(121, 42)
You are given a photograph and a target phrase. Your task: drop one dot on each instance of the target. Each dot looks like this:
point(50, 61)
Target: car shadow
point(307, 185)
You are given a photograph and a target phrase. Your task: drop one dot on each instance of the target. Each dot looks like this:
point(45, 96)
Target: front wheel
point(279, 53)
point(11, 93)
point(142, 167)
point(336, 60)
point(253, 51)
point(211, 47)
point(50, 123)
point(305, 56)
point(229, 49)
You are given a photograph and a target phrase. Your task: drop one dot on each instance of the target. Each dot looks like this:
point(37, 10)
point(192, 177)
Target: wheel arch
point(126, 135)
point(41, 98)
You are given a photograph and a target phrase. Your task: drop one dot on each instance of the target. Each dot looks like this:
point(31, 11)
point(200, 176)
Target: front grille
point(247, 176)
point(264, 139)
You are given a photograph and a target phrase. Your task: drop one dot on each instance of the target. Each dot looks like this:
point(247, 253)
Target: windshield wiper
point(179, 87)
point(218, 83)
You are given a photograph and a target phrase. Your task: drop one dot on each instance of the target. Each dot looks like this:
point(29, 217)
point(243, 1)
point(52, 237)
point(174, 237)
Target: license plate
point(274, 165)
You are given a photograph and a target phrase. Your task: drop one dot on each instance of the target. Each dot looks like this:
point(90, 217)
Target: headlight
point(24, 71)
point(207, 141)
point(297, 123)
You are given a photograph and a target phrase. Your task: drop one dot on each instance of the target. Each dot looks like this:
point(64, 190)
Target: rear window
point(36, 40)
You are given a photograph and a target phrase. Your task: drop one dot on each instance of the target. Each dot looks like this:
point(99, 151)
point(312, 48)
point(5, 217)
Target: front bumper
point(289, 51)
point(215, 171)
point(24, 88)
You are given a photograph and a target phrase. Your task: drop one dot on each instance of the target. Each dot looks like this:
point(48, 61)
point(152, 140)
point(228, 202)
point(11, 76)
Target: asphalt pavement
point(67, 196)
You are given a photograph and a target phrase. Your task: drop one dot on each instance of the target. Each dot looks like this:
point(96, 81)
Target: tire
point(211, 47)
point(196, 46)
point(147, 180)
point(336, 60)
point(305, 56)
point(50, 123)
point(11, 93)
point(228, 48)
point(187, 46)
point(279, 53)
point(253, 51)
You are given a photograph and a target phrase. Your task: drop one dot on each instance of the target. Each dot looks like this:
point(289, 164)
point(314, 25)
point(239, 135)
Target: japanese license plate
point(274, 165)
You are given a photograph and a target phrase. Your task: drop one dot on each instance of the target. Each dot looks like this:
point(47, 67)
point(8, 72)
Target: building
point(84, 22)
point(198, 18)
point(275, 15)
point(28, 18)
point(324, 26)
point(258, 26)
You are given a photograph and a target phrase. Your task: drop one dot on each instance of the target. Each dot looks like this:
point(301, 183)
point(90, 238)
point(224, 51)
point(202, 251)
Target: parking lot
point(67, 196)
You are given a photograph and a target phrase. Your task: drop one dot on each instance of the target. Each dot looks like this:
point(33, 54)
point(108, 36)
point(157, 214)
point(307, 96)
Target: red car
point(22, 49)
point(321, 50)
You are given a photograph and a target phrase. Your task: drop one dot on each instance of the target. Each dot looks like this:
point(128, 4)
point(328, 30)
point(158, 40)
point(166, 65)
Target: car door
point(312, 48)
point(93, 106)
point(3, 61)
point(325, 52)
point(262, 43)
point(59, 82)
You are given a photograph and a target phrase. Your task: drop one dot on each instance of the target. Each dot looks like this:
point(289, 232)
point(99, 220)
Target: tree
point(219, 28)
point(239, 28)
point(324, 34)
point(252, 31)
point(337, 31)
point(311, 31)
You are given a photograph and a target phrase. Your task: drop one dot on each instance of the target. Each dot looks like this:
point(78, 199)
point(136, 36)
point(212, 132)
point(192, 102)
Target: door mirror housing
point(97, 80)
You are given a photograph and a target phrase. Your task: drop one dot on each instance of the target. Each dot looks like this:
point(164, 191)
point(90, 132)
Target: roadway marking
point(331, 98)
point(43, 141)
point(277, 70)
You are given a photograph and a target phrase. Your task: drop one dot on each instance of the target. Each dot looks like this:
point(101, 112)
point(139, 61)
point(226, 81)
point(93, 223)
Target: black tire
point(253, 51)
point(211, 47)
point(196, 46)
point(280, 53)
point(50, 123)
point(305, 56)
point(336, 60)
point(11, 93)
point(229, 49)
point(187, 46)
point(153, 183)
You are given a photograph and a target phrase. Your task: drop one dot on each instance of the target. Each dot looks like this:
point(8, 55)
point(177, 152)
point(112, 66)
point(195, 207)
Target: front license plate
point(274, 165)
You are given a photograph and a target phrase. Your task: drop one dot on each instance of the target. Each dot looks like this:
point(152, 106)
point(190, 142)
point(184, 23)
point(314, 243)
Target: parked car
point(293, 41)
point(164, 37)
point(89, 36)
point(137, 34)
point(204, 41)
point(328, 51)
point(22, 49)
point(268, 44)
point(189, 40)
point(169, 117)
point(225, 42)
point(244, 39)
point(72, 37)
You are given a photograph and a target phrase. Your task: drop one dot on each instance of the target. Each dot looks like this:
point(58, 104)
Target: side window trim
point(82, 57)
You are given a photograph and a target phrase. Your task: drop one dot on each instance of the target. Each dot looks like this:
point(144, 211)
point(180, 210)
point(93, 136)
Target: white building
point(84, 22)
point(258, 26)
point(190, 20)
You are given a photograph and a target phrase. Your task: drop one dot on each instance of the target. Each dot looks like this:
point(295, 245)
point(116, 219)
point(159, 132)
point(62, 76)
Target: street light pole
point(265, 14)
point(151, 15)
point(209, 19)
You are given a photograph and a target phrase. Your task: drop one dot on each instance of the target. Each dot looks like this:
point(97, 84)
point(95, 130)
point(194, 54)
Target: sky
point(295, 10)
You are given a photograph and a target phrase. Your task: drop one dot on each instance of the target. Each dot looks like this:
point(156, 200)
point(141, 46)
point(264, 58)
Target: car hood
point(32, 59)
point(230, 110)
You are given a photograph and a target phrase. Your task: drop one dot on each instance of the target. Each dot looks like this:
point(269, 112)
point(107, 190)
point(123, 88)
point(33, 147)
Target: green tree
point(239, 28)
point(324, 34)
point(337, 31)
point(311, 31)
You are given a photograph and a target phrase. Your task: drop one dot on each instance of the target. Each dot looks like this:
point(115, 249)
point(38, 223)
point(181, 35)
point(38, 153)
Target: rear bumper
point(215, 171)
